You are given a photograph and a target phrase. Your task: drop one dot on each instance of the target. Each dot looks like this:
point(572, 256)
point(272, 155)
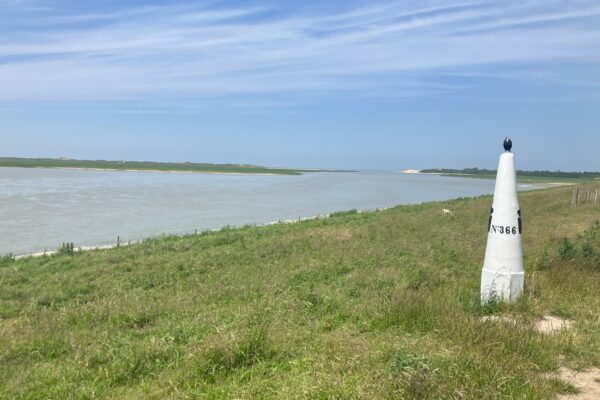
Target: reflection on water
point(41, 208)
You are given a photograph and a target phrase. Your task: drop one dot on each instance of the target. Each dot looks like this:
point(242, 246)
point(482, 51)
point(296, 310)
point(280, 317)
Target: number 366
point(504, 229)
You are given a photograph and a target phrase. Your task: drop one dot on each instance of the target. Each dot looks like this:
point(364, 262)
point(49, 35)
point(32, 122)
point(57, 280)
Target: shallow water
point(41, 208)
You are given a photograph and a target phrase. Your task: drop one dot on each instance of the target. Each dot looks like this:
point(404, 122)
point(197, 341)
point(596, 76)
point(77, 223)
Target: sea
point(42, 208)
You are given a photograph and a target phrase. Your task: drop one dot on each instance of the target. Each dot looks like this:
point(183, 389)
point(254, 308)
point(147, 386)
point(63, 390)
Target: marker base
point(501, 285)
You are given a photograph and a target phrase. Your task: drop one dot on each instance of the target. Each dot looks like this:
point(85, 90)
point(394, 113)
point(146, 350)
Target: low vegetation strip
point(522, 176)
point(378, 305)
point(145, 166)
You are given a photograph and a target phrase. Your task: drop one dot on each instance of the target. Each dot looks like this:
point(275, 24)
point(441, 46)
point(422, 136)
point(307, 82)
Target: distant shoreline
point(528, 177)
point(149, 166)
point(151, 171)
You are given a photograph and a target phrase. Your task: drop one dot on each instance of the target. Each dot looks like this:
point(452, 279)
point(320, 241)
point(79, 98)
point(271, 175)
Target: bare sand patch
point(586, 381)
point(550, 324)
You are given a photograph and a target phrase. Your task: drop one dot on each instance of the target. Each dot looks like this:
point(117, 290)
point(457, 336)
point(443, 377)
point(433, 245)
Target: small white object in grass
point(445, 211)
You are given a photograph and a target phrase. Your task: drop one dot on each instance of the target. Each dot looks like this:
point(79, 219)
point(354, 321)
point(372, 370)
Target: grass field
point(145, 166)
point(356, 306)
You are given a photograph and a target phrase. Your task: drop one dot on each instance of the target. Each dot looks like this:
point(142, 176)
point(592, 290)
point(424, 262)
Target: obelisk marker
point(502, 277)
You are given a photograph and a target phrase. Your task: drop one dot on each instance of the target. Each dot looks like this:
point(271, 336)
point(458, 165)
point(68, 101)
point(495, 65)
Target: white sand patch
point(585, 381)
point(550, 324)
point(410, 171)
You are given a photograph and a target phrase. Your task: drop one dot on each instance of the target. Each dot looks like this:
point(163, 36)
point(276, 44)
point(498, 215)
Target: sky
point(324, 84)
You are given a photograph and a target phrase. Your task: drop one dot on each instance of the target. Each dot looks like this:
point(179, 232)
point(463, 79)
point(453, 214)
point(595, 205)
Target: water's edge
point(43, 208)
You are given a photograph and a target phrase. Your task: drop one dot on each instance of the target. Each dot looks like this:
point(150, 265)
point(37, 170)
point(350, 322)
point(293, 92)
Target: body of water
point(41, 208)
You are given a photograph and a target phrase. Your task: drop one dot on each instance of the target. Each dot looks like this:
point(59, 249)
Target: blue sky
point(349, 84)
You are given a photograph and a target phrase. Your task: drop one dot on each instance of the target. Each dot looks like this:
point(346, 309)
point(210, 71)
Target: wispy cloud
point(188, 53)
point(22, 6)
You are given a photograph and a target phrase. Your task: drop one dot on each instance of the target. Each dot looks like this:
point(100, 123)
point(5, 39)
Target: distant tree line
point(478, 171)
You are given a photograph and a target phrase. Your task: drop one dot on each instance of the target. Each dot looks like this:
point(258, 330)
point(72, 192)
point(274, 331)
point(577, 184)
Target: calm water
point(41, 208)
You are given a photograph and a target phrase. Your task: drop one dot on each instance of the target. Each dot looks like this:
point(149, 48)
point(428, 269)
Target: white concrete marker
point(502, 276)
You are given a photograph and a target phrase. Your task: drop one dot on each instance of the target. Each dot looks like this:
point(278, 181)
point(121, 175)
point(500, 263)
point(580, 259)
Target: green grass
point(360, 305)
point(146, 166)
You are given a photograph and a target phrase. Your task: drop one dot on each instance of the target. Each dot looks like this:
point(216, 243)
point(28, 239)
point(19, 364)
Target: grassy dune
point(360, 305)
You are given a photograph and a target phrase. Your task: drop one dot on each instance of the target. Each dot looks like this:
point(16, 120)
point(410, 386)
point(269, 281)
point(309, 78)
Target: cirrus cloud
point(184, 52)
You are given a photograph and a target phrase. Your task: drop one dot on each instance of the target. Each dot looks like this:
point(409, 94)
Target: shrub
point(566, 249)
point(67, 248)
point(585, 250)
point(6, 259)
